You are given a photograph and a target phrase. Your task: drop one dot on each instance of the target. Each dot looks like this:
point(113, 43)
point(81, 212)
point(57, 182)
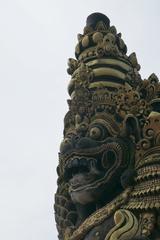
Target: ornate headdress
point(106, 88)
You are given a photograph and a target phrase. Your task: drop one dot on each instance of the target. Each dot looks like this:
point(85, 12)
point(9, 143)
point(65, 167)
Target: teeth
point(79, 165)
point(75, 163)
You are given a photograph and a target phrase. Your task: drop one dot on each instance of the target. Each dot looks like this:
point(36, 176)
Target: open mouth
point(81, 171)
point(89, 170)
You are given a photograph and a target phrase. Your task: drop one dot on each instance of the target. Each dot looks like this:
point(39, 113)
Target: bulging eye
point(95, 133)
point(98, 133)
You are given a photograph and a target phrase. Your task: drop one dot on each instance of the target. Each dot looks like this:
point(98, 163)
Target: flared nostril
point(65, 146)
point(75, 139)
point(77, 142)
point(69, 143)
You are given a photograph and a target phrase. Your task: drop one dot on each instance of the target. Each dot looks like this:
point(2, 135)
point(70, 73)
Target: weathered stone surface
point(109, 160)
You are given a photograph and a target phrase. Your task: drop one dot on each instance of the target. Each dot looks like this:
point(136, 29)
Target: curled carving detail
point(145, 144)
point(126, 226)
point(109, 159)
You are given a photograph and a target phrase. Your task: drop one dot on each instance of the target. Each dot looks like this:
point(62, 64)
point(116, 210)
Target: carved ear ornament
point(109, 160)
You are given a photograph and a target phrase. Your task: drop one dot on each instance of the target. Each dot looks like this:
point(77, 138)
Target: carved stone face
point(94, 159)
point(148, 223)
point(111, 131)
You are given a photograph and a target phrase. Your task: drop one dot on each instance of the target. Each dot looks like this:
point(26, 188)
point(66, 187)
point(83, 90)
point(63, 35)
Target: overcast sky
point(36, 39)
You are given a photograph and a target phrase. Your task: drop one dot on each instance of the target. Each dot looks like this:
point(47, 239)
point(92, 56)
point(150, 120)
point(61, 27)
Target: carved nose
point(85, 142)
point(68, 144)
point(77, 142)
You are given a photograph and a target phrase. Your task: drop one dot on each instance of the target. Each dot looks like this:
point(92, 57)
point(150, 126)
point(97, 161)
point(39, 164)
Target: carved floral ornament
point(109, 160)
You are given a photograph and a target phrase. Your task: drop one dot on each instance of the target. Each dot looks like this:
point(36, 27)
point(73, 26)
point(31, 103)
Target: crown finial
point(109, 160)
point(96, 17)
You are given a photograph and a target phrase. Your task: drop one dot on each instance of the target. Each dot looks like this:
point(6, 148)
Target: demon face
point(94, 159)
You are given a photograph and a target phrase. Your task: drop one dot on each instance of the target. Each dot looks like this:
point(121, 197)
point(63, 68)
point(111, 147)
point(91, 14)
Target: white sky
point(36, 39)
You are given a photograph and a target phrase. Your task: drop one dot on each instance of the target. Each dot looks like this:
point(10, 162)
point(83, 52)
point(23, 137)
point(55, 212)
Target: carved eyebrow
point(112, 131)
